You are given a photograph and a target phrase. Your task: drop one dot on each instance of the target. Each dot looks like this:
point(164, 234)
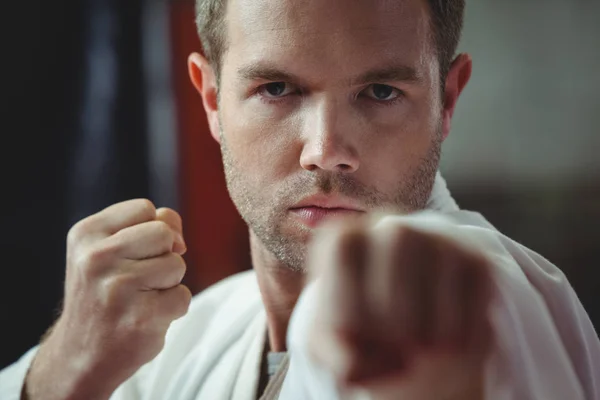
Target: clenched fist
point(402, 312)
point(122, 291)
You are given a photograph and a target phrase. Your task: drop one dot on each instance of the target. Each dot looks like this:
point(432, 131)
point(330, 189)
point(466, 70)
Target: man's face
point(327, 108)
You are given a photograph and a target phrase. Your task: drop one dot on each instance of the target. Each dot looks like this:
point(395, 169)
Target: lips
point(314, 210)
point(314, 216)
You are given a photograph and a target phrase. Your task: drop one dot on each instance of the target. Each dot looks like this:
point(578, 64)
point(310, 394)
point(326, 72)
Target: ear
point(204, 80)
point(457, 79)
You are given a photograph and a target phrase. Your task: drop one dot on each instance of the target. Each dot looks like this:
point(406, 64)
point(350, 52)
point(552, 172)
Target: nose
point(328, 141)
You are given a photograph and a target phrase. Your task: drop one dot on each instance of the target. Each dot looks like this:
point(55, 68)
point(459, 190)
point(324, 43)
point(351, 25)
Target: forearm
point(57, 373)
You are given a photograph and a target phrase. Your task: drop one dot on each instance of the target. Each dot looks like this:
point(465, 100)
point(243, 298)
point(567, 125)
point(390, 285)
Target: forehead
point(335, 36)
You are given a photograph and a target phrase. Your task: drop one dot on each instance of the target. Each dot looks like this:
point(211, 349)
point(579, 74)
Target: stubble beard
point(265, 217)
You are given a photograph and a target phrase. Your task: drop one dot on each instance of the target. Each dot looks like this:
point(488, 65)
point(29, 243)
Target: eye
point(381, 92)
point(276, 89)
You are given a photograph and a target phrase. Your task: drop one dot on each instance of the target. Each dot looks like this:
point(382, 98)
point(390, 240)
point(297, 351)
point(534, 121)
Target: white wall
point(531, 112)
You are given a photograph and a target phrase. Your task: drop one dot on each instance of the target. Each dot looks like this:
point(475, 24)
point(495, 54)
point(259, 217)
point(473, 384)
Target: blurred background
point(98, 109)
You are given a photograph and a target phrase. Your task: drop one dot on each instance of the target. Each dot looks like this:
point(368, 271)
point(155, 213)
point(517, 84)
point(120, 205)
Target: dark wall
point(48, 185)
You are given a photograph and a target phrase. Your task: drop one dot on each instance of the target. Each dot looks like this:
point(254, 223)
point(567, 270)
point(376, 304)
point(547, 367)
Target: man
point(330, 114)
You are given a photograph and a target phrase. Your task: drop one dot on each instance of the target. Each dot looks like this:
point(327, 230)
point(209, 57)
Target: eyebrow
point(262, 72)
point(396, 73)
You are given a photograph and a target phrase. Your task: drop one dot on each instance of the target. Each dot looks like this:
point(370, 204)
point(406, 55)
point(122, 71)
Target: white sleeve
point(546, 346)
point(12, 378)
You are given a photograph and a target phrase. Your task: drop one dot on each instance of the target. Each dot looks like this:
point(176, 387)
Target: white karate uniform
point(212, 353)
point(546, 347)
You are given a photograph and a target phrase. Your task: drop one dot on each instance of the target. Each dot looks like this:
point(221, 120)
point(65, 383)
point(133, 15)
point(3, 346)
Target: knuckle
point(179, 263)
point(187, 295)
point(115, 286)
point(163, 234)
point(405, 233)
point(92, 259)
point(137, 330)
point(352, 247)
point(179, 303)
point(177, 216)
point(163, 230)
point(73, 236)
point(176, 267)
point(419, 242)
point(78, 232)
point(394, 236)
point(141, 324)
point(350, 235)
point(184, 301)
point(479, 269)
point(170, 213)
point(146, 207)
point(475, 259)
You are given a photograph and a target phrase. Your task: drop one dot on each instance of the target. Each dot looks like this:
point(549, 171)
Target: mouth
point(315, 210)
point(314, 216)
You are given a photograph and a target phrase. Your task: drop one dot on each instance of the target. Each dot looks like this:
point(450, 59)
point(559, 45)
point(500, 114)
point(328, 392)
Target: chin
point(295, 235)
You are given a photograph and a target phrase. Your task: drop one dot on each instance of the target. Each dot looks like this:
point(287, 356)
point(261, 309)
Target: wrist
point(59, 371)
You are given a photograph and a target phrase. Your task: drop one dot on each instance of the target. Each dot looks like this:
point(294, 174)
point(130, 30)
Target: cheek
point(263, 145)
point(397, 149)
point(408, 131)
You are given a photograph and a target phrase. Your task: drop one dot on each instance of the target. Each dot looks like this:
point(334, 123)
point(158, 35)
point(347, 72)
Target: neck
point(280, 288)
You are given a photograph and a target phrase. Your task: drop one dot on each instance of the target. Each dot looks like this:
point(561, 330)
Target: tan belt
point(274, 386)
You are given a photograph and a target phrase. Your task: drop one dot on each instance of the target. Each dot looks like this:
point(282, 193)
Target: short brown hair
point(446, 18)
